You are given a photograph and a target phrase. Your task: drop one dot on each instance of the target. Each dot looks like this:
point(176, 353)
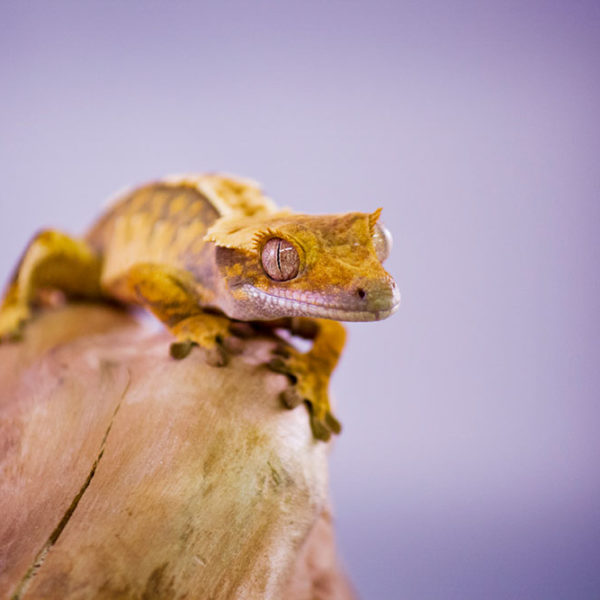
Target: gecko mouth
point(312, 305)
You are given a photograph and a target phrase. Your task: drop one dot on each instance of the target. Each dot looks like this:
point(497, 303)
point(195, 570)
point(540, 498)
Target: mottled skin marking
point(189, 250)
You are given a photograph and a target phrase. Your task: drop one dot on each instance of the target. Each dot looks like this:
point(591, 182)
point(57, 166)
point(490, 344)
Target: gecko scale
point(205, 253)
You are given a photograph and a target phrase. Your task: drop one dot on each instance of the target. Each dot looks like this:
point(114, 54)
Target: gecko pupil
point(279, 255)
point(280, 259)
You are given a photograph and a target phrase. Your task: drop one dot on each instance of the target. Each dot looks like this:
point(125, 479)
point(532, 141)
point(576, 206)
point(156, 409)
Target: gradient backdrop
point(469, 463)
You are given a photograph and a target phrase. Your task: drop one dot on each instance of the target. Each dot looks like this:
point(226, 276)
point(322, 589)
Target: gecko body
point(204, 253)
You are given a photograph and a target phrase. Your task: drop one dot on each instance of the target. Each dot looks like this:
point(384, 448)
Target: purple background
point(469, 464)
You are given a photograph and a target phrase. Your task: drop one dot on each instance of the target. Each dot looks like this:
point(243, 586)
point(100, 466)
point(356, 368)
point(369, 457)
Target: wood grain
point(127, 474)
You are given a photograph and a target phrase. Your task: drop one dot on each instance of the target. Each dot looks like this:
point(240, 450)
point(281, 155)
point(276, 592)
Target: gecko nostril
point(361, 293)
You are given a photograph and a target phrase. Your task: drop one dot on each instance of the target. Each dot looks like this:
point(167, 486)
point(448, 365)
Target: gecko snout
point(380, 298)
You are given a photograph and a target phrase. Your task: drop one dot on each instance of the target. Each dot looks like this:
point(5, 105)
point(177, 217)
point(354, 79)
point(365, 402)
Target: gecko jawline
point(301, 308)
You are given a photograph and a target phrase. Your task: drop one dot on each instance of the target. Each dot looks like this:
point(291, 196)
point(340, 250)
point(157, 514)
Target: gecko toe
point(319, 429)
point(291, 397)
point(179, 350)
point(282, 350)
point(216, 356)
point(12, 336)
point(278, 365)
point(12, 323)
point(334, 425)
point(233, 345)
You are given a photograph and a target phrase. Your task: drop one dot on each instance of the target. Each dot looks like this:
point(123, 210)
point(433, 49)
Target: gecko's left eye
point(280, 259)
point(382, 241)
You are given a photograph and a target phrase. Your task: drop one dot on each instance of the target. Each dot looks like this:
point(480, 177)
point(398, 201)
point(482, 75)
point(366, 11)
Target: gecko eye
point(382, 241)
point(280, 259)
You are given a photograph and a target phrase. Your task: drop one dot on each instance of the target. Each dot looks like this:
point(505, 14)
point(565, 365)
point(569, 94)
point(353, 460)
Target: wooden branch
point(127, 474)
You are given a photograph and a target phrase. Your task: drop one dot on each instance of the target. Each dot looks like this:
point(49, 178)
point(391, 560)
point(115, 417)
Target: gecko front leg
point(176, 301)
point(52, 260)
point(309, 372)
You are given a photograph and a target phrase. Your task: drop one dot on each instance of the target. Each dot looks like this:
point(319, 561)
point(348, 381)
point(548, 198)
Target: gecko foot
point(13, 318)
point(218, 337)
point(309, 382)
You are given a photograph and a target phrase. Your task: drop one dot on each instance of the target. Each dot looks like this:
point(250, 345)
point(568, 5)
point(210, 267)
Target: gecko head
point(284, 265)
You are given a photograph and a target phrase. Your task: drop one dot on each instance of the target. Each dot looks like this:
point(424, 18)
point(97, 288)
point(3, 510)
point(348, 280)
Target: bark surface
point(127, 474)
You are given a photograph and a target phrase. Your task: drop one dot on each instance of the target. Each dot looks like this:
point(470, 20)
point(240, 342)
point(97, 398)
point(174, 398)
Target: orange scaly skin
point(207, 253)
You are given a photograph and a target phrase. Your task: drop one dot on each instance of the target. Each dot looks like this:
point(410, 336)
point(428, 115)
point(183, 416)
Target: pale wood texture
point(127, 474)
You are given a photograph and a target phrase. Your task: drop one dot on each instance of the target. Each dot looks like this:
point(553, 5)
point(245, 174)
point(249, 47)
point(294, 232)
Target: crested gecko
point(207, 253)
